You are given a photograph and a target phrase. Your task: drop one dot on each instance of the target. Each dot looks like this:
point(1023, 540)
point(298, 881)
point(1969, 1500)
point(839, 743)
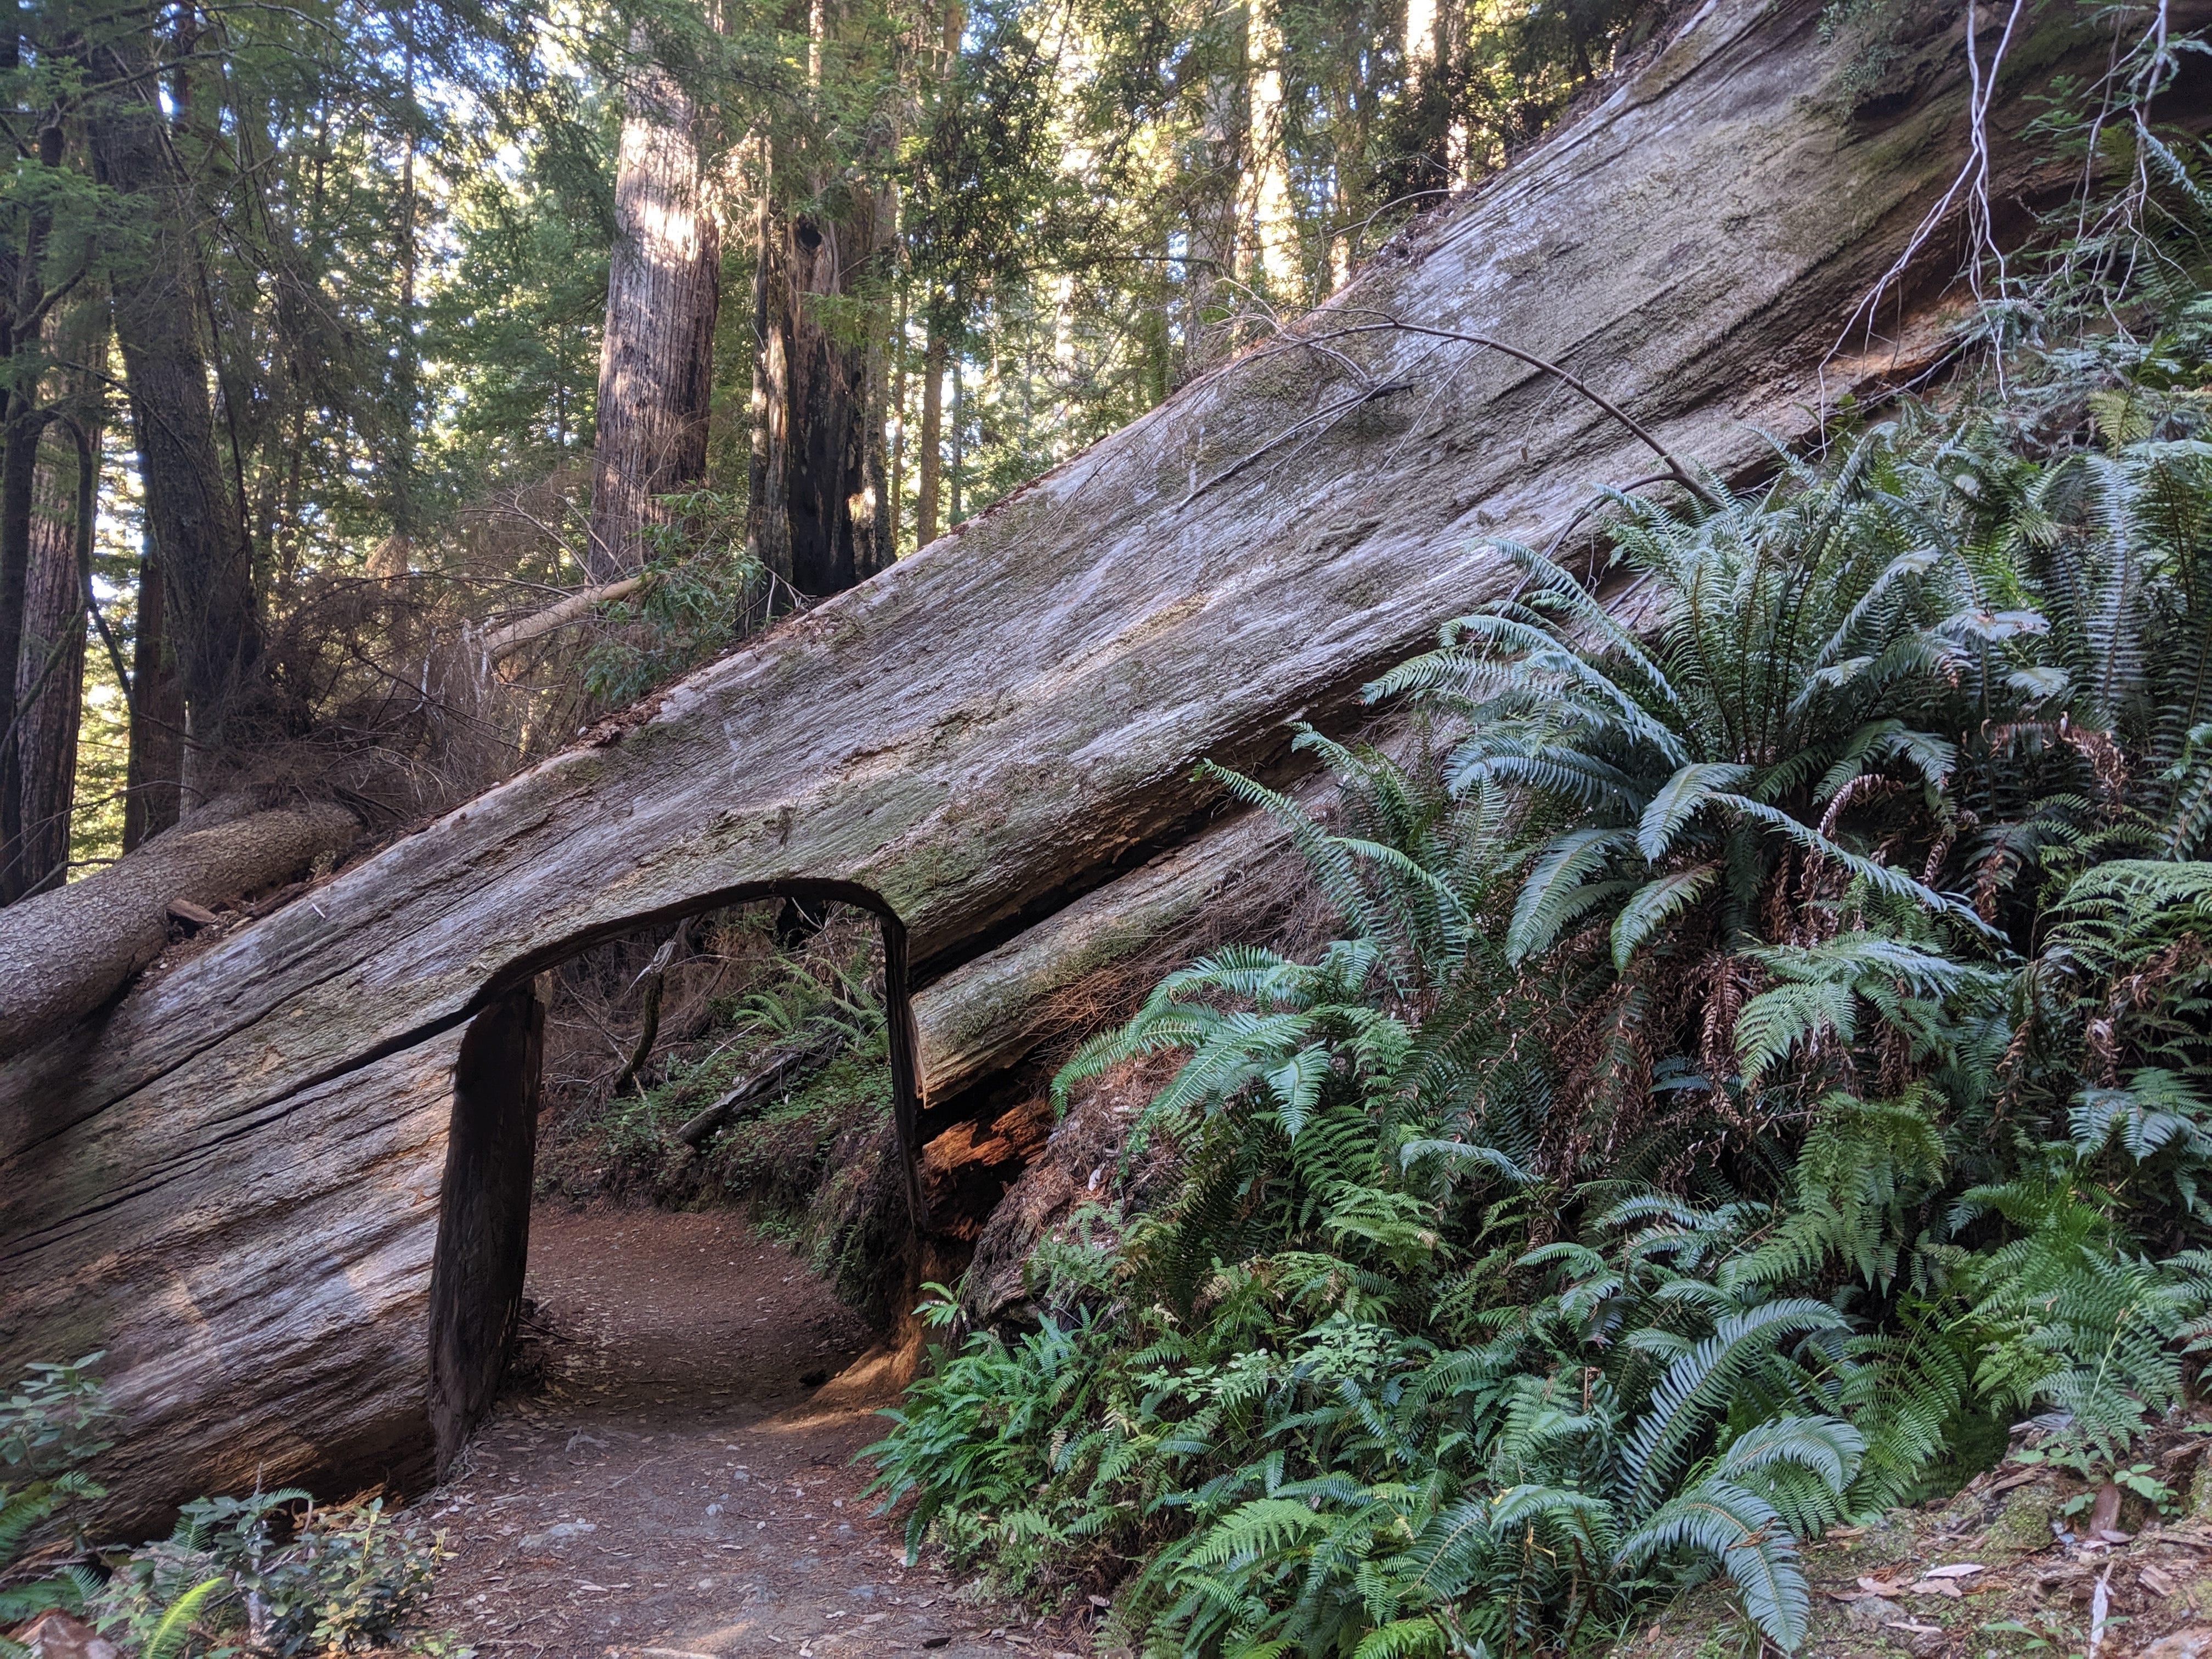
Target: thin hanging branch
point(1370, 387)
point(1675, 470)
point(1973, 178)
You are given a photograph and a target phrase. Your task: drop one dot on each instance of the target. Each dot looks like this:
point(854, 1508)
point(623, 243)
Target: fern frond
point(1751, 1545)
point(1562, 876)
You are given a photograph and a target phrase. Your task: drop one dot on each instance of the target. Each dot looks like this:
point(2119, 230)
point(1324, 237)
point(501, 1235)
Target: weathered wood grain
point(70, 948)
point(261, 1286)
point(244, 1151)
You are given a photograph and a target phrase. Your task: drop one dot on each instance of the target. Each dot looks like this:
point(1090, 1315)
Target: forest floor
point(671, 1486)
point(2004, 1569)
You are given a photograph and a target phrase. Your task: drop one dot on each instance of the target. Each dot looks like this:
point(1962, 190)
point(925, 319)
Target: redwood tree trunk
point(18, 469)
point(53, 610)
point(768, 519)
point(191, 521)
point(24, 301)
point(153, 783)
point(932, 437)
point(818, 456)
point(657, 362)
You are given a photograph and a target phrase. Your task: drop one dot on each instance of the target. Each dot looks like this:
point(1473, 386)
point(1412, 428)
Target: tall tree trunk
point(818, 436)
point(153, 778)
point(1274, 226)
point(934, 350)
point(932, 435)
point(401, 506)
point(1213, 225)
point(769, 521)
point(18, 472)
point(209, 612)
point(664, 289)
point(954, 515)
point(875, 542)
point(25, 303)
point(53, 608)
point(898, 432)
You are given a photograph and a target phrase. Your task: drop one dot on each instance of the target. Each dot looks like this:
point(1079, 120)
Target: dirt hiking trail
point(671, 1487)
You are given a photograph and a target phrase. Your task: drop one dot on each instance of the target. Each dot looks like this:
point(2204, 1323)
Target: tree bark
point(875, 534)
point(664, 289)
point(65, 951)
point(483, 1219)
point(935, 350)
point(784, 1072)
point(932, 436)
point(18, 473)
point(767, 520)
point(1274, 242)
point(954, 517)
point(1212, 226)
point(500, 644)
point(819, 459)
point(898, 503)
point(153, 782)
point(25, 302)
point(1428, 93)
point(987, 740)
point(209, 617)
point(53, 608)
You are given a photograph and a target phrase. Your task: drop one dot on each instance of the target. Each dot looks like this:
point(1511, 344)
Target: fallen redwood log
point(262, 1181)
point(784, 1071)
point(67, 951)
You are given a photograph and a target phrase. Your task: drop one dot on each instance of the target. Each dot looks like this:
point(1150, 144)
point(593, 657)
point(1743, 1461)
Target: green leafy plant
point(1763, 1056)
point(275, 1573)
point(50, 1423)
point(702, 588)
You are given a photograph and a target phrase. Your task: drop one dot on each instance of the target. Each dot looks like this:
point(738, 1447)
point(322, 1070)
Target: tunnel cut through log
point(481, 1251)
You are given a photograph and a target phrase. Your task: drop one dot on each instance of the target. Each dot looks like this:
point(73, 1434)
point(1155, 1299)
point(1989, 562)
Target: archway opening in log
point(681, 1194)
point(754, 1057)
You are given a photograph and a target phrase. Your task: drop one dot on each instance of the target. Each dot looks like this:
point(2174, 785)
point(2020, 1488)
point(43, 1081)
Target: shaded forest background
point(391, 328)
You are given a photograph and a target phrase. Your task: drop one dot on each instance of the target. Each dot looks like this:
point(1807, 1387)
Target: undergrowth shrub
point(49, 1426)
point(702, 587)
point(1764, 1055)
point(345, 1578)
point(271, 1573)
